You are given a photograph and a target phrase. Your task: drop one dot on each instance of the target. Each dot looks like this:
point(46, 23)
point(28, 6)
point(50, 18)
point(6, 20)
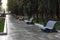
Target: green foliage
point(46, 8)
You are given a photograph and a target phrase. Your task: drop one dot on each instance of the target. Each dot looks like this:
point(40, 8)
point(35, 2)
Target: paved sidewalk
point(19, 30)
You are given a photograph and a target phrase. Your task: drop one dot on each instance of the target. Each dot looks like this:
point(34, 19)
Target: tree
point(47, 9)
point(0, 4)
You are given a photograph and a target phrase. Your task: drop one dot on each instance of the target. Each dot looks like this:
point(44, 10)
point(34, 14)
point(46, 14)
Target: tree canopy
point(39, 8)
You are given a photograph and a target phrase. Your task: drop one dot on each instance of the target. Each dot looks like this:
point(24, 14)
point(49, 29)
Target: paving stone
point(19, 30)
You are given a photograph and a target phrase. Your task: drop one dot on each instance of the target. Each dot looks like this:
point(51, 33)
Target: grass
point(57, 26)
point(42, 21)
point(2, 24)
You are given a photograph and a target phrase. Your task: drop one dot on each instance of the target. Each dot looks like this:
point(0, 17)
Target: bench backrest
point(31, 19)
point(50, 24)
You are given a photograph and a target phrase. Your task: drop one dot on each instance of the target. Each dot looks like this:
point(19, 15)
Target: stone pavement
point(19, 30)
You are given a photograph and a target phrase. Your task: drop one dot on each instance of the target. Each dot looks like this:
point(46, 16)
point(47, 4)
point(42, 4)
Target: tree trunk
point(57, 9)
